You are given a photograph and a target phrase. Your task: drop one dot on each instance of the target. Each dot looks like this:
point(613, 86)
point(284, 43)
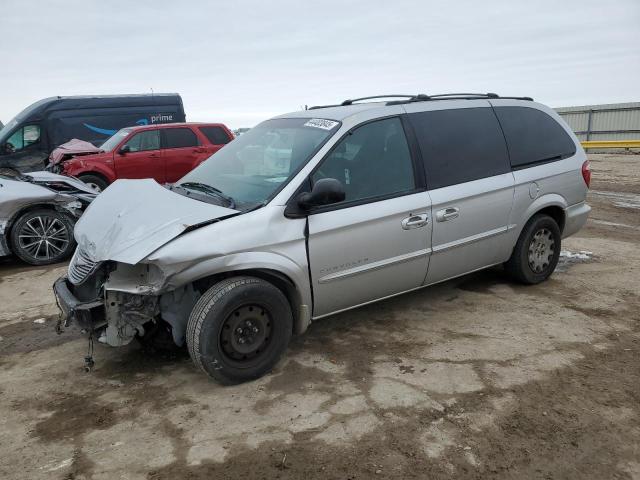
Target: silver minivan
point(319, 211)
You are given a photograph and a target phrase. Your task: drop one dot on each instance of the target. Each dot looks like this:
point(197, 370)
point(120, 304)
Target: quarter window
point(533, 136)
point(179, 138)
point(460, 145)
point(372, 161)
point(144, 141)
point(216, 135)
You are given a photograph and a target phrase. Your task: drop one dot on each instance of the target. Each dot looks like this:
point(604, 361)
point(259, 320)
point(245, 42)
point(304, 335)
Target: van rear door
point(470, 183)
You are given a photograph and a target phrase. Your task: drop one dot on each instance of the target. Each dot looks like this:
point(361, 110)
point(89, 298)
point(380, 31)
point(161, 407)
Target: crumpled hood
point(132, 218)
point(71, 148)
point(44, 177)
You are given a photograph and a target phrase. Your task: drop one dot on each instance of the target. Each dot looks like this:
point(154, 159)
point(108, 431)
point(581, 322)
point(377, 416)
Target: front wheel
point(537, 251)
point(42, 237)
point(96, 182)
point(239, 329)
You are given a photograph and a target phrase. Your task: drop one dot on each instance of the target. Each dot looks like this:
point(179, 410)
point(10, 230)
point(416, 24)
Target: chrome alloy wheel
point(541, 250)
point(44, 237)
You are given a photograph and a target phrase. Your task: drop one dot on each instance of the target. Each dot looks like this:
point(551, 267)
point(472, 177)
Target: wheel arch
point(553, 205)
point(102, 175)
point(25, 209)
point(22, 211)
point(300, 311)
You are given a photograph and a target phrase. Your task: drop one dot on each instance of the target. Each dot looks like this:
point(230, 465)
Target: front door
point(375, 243)
point(143, 160)
point(24, 150)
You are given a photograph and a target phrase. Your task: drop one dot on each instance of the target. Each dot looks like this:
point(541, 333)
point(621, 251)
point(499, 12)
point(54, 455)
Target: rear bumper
point(87, 315)
point(575, 218)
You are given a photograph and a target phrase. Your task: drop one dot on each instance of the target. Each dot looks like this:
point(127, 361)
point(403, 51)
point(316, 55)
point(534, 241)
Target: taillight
point(586, 172)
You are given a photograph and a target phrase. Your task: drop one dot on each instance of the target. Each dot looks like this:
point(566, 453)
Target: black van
point(28, 139)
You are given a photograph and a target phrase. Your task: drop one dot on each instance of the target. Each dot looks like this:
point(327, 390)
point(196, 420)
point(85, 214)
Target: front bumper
point(87, 315)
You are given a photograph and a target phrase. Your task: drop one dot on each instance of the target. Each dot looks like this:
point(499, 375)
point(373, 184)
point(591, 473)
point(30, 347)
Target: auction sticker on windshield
point(321, 123)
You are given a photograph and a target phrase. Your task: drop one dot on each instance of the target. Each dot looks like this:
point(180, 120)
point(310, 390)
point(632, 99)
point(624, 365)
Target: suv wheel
point(42, 237)
point(537, 251)
point(238, 329)
point(94, 181)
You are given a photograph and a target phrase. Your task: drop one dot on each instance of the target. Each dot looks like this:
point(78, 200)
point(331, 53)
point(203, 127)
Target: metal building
point(615, 121)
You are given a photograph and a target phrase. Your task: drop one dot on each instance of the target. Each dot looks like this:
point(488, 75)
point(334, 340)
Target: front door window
point(22, 138)
point(144, 141)
point(373, 161)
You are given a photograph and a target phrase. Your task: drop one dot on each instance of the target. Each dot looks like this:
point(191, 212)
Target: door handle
point(415, 221)
point(447, 214)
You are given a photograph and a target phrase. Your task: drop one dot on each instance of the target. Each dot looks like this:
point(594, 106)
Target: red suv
point(164, 152)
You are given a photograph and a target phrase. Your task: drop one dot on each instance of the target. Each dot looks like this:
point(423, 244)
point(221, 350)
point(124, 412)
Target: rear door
point(143, 160)
point(375, 243)
point(471, 187)
point(181, 152)
point(217, 137)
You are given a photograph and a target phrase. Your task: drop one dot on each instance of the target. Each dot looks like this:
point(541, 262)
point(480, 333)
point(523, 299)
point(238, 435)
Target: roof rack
point(456, 96)
point(352, 101)
point(421, 97)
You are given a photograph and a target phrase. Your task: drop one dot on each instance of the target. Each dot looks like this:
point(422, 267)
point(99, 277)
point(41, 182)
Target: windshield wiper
point(208, 189)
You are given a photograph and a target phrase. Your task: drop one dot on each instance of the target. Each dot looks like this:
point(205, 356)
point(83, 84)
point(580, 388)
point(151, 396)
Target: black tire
point(96, 181)
point(240, 303)
point(30, 244)
point(543, 261)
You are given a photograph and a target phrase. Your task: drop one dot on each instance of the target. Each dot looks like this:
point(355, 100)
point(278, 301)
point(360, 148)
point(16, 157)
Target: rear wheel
point(96, 182)
point(238, 329)
point(537, 251)
point(42, 237)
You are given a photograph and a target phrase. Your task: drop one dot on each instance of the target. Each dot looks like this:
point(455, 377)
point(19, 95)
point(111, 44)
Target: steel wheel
point(44, 237)
point(541, 250)
point(246, 333)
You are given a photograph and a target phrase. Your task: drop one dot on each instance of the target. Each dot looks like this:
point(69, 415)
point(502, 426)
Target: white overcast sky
point(240, 62)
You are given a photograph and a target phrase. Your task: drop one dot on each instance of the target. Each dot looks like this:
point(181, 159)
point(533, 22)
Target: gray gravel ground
point(473, 378)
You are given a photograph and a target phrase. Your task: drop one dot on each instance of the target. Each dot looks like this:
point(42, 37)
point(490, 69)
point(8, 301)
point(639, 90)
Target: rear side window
point(216, 135)
point(460, 145)
point(533, 136)
point(179, 138)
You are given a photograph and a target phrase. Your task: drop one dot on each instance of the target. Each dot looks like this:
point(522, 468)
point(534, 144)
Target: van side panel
point(96, 125)
point(89, 118)
point(555, 179)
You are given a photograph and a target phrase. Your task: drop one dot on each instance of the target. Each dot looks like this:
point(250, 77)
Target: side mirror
point(124, 149)
point(6, 149)
point(325, 192)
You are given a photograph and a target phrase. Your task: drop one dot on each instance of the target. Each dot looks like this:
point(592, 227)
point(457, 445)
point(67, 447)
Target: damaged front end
point(117, 302)
point(111, 290)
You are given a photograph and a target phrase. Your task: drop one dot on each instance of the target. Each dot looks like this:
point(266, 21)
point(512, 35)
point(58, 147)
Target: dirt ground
point(473, 378)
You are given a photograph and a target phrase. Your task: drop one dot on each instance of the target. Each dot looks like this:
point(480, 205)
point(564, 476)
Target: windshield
point(252, 167)
point(4, 132)
point(113, 141)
